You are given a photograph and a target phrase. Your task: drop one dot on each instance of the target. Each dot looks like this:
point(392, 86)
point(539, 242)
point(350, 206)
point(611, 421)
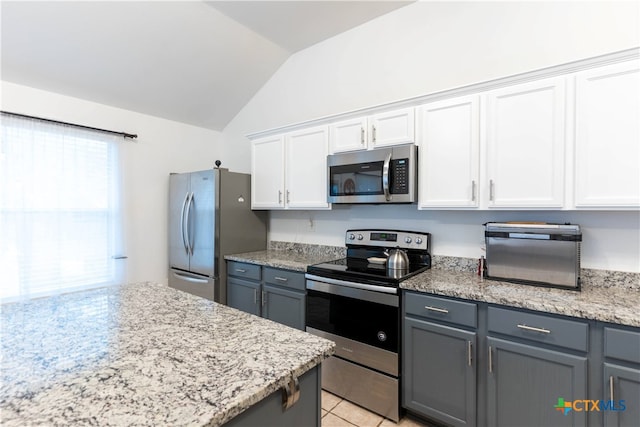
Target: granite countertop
point(142, 354)
point(607, 302)
point(605, 296)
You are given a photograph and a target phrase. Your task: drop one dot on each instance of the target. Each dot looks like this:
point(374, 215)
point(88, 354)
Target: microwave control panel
point(399, 176)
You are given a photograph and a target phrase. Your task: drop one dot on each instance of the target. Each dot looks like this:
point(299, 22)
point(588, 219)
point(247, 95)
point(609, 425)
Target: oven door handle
point(372, 293)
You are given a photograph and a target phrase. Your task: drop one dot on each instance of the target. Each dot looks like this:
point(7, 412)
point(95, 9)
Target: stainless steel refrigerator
point(210, 216)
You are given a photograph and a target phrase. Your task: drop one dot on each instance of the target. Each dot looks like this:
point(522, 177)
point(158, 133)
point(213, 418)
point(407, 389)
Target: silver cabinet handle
point(469, 351)
point(290, 393)
point(533, 329)
point(264, 298)
point(287, 196)
point(361, 135)
point(282, 279)
point(373, 133)
point(611, 388)
point(473, 191)
point(241, 270)
point(279, 197)
point(385, 177)
point(490, 360)
point(491, 190)
point(255, 296)
point(436, 309)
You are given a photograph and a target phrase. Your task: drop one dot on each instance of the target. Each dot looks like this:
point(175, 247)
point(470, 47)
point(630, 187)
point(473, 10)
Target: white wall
point(162, 146)
point(424, 48)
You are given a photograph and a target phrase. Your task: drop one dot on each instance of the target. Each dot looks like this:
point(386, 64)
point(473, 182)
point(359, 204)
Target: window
point(60, 215)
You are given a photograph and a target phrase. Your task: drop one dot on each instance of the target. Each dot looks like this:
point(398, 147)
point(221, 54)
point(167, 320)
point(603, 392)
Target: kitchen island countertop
point(142, 354)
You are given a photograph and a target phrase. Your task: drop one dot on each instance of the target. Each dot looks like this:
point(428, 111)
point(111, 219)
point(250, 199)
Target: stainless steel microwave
point(383, 175)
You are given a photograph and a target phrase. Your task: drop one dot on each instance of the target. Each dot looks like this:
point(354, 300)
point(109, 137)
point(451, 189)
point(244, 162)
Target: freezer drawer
point(193, 283)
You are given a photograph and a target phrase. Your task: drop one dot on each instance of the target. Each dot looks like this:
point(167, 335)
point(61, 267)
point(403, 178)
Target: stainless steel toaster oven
point(534, 253)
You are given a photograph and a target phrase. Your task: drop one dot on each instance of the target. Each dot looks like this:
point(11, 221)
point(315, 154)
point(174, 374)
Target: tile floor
point(337, 412)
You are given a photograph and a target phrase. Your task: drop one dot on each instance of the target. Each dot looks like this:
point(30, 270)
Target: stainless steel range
point(354, 301)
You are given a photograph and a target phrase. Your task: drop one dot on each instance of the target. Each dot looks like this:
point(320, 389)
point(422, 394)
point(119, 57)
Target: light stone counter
point(286, 259)
point(605, 297)
point(142, 354)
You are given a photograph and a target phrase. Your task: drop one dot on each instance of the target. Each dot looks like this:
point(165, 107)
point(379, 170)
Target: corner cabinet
point(289, 171)
point(378, 130)
point(607, 139)
point(272, 293)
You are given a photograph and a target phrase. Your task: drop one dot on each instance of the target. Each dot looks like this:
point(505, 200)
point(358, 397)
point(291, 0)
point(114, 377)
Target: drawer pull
point(290, 393)
point(264, 298)
point(282, 279)
point(240, 270)
point(533, 329)
point(436, 309)
point(469, 351)
point(490, 361)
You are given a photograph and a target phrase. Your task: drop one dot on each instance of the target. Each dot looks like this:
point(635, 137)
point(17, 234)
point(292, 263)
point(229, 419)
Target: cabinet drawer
point(622, 344)
point(244, 270)
point(447, 310)
point(565, 333)
point(287, 278)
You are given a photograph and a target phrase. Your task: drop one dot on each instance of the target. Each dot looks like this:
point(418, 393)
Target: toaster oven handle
point(385, 178)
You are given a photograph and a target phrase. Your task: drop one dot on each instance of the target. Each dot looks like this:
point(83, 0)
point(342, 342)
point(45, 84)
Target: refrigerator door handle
point(182, 223)
point(189, 242)
point(190, 279)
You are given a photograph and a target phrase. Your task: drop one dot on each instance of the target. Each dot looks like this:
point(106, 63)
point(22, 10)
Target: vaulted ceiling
point(191, 61)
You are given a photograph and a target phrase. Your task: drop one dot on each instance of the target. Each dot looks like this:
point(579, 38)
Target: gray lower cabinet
point(621, 377)
point(439, 359)
point(275, 294)
point(526, 381)
point(269, 411)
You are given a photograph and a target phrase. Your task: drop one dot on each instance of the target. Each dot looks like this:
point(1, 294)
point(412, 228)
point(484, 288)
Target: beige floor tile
point(356, 414)
point(331, 420)
point(329, 401)
point(405, 422)
point(323, 413)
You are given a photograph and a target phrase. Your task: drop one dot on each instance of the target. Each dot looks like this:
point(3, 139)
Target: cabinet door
point(348, 135)
point(526, 145)
point(449, 153)
point(623, 388)
point(306, 169)
point(525, 384)
point(439, 365)
point(392, 128)
point(267, 173)
point(243, 295)
point(284, 306)
point(607, 135)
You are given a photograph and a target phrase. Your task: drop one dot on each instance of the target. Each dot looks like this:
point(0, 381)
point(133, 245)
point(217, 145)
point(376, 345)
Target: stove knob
point(418, 240)
point(360, 237)
point(352, 236)
point(407, 239)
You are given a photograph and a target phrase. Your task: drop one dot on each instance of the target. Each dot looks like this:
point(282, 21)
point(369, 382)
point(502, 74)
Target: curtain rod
point(124, 134)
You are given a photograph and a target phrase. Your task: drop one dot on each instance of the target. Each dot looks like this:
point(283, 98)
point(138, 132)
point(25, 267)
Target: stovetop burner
point(365, 244)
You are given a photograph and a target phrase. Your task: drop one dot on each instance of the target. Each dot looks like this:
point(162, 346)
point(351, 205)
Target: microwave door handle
point(385, 178)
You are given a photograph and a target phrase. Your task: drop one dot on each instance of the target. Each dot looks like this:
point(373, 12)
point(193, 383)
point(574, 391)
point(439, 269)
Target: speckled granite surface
point(616, 304)
point(142, 354)
point(608, 296)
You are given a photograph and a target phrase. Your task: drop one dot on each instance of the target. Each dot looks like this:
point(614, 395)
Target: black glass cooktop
point(361, 270)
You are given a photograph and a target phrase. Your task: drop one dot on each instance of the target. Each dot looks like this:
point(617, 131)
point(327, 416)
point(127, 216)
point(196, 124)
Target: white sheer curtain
point(60, 210)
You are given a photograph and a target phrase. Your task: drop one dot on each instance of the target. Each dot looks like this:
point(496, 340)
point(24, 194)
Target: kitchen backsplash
point(589, 277)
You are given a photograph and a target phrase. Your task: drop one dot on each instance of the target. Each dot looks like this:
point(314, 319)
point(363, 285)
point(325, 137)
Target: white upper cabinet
point(607, 137)
point(379, 130)
point(267, 173)
point(289, 171)
point(449, 151)
point(525, 140)
point(306, 169)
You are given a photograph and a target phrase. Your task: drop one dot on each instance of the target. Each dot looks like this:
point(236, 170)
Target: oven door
point(359, 315)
